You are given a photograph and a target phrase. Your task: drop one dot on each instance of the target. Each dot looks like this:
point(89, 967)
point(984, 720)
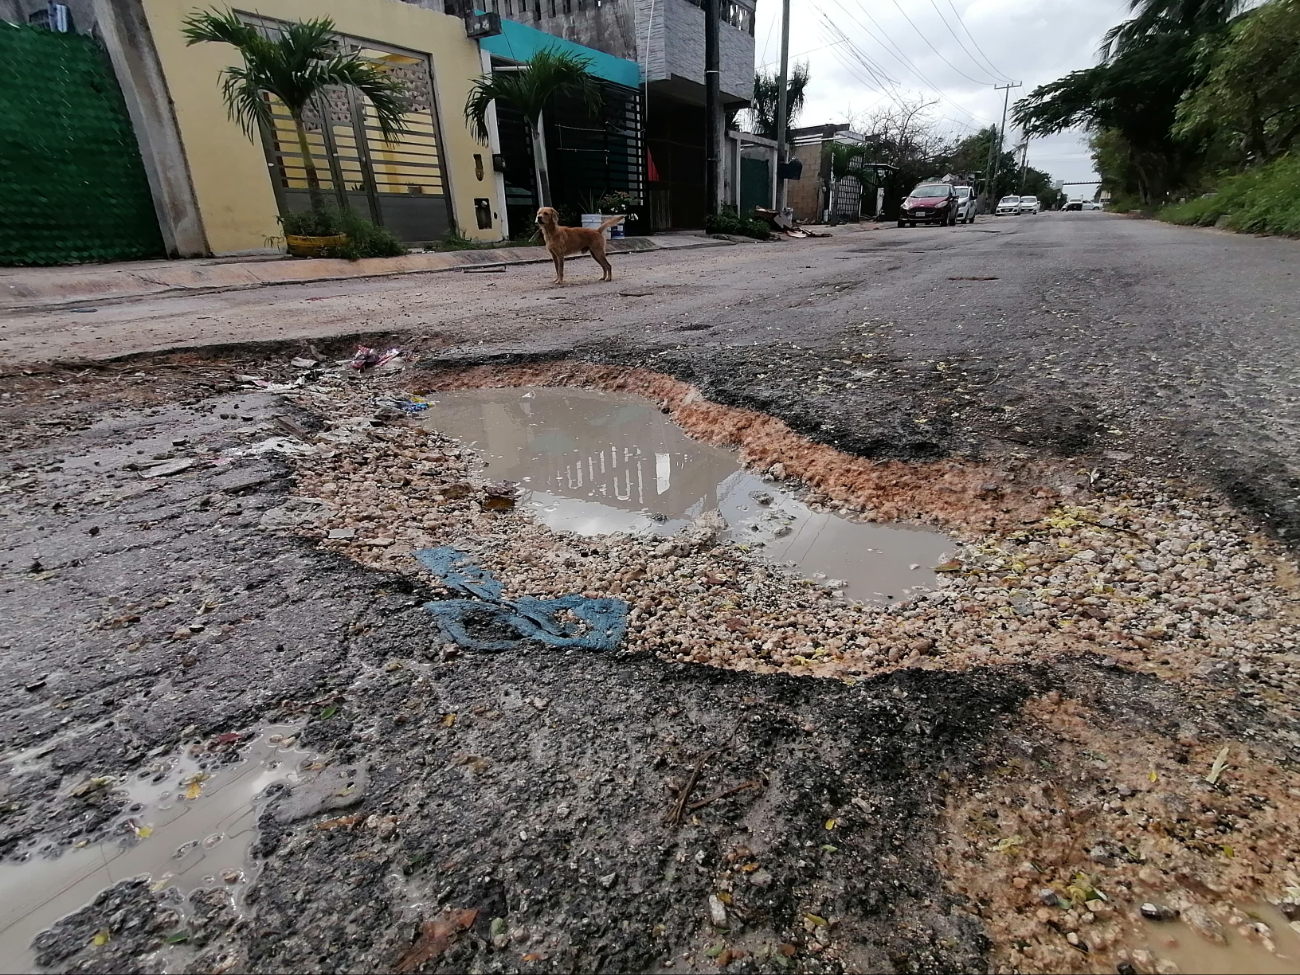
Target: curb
point(33, 289)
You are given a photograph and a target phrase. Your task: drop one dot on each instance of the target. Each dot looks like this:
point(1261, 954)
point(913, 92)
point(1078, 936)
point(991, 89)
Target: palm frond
point(245, 103)
point(386, 94)
point(295, 62)
point(547, 73)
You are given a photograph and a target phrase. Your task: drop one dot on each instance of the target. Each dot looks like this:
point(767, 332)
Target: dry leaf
point(101, 938)
point(341, 821)
point(144, 832)
point(816, 920)
point(1220, 763)
point(194, 790)
point(830, 824)
point(448, 720)
point(435, 937)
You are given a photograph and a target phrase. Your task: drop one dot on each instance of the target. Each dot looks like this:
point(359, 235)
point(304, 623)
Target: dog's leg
point(559, 268)
point(599, 254)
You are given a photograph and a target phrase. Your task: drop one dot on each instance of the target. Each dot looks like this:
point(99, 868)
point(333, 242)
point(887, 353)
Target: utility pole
point(995, 156)
point(713, 121)
point(782, 104)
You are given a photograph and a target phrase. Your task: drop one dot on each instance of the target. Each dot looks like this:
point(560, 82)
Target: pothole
point(187, 824)
point(598, 463)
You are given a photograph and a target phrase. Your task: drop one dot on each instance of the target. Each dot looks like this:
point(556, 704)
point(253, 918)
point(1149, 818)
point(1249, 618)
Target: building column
point(494, 147)
point(125, 32)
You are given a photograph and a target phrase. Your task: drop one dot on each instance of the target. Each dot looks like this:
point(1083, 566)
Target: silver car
point(1008, 206)
point(965, 204)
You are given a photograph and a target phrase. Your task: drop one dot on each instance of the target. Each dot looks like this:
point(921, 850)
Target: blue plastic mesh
point(597, 624)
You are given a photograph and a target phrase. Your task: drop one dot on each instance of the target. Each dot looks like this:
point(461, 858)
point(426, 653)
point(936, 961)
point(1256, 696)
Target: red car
point(929, 203)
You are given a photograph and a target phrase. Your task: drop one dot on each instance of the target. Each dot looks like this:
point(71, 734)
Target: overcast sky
point(1033, 41)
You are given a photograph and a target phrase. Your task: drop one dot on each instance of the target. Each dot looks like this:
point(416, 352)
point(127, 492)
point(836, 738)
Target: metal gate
point(400, 184)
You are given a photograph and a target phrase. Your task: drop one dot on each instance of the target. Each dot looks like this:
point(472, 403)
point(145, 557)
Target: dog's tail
point(612, 220)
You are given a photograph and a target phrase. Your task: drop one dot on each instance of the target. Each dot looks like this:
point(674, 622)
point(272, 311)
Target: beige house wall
point(229, 173)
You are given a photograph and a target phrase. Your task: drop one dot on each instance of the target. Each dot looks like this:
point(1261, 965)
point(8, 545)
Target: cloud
point(915, 48)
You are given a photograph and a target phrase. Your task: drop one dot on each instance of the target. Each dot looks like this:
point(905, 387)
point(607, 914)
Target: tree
point(547, 73)
point(1250, 97)
point(295, 64)
point(1191, 18)
point(1136, 93)
point(767, 90)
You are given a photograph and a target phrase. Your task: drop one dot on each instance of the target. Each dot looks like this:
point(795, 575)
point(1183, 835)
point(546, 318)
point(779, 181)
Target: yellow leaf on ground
point(144, 832)
point(194, 790)
point(101, 938)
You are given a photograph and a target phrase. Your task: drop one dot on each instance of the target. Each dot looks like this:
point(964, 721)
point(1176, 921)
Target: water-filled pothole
point(596, 463)
point(193, 827)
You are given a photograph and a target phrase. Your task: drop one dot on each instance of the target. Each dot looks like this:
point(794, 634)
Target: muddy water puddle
point(187, 827)
point(596, 463)
point(1245, 952)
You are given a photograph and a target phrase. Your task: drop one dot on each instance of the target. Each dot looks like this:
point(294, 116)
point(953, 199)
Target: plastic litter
point(416, 404)
point(597, 624)
point(368, 358)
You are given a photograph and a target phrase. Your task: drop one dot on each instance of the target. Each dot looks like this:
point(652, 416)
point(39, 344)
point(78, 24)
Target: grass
point(1264, 200)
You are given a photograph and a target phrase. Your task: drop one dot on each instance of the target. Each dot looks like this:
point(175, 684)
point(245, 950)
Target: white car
point(1091, 205)
point(1030, 204)
point(1008, 206)
point(966, 204)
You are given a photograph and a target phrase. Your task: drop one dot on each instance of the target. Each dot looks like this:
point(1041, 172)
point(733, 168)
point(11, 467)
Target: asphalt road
point(151, 623)
point(1076, 333)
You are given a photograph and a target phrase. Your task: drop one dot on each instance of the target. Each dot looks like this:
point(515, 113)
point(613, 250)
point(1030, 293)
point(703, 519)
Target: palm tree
point(296, 66)
point(528, 88)
point(1150, 17)
point(767, 91)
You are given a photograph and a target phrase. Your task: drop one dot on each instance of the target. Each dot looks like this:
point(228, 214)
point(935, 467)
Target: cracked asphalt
point(149, 618)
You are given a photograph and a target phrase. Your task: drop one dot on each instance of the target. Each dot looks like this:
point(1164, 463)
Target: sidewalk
point(51, 287)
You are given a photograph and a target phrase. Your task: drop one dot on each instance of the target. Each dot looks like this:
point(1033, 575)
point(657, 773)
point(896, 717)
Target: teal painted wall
point(519, 42)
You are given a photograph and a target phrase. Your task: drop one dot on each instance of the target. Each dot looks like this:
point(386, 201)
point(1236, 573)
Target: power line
point(812, 50)
point(887, 43)
point(960, 45)
point(921, 35)
point(771, 24)
point(966, 30)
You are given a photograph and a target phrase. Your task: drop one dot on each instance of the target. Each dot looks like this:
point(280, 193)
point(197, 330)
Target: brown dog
point(562, 242)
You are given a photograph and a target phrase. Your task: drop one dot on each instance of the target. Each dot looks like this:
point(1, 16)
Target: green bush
point(1265, 200)
point(365, 239)
point(733, 224)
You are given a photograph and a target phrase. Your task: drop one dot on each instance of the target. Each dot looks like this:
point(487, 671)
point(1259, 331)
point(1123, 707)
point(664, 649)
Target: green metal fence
point(72, 184)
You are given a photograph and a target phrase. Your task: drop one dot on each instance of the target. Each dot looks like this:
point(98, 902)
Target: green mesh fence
point(72, 185)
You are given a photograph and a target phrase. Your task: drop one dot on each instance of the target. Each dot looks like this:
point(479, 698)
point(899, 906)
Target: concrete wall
point(683, 54)
point(804, 195)
point(125, 33)
point(229, 173)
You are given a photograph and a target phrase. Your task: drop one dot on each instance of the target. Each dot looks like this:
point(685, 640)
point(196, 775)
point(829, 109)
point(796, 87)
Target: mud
point(597, 463)
point(185, 827)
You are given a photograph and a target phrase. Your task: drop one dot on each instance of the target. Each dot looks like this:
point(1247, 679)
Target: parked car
point(1092, 205)
point(1073, 205)
point(966, 204)
point(929, 203)
point(1008, 206)
point(1030, 204)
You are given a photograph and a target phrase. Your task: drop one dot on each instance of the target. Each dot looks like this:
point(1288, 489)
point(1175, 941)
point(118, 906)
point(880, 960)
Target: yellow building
point(433, 178)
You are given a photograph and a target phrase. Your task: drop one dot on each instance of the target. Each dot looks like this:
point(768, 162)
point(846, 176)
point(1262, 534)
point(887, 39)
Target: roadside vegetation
point(1195, 101)
point(1265, 200)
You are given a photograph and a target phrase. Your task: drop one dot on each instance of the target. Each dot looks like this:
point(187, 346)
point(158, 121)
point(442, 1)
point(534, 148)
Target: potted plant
point(615, 203)
point(592, 217)
point(297, 64)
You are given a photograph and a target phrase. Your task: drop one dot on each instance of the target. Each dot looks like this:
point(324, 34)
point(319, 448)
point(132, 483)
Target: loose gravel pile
point(1129, 570)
